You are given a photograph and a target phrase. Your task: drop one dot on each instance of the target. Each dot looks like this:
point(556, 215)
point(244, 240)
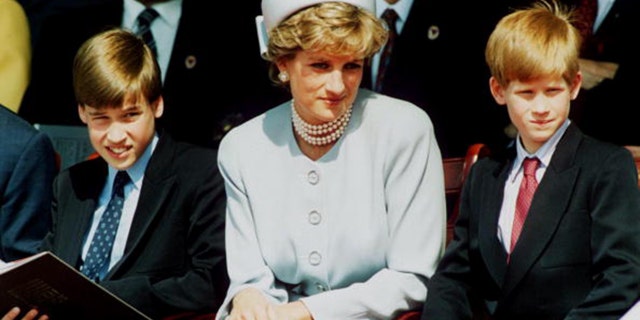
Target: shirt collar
point(169, 11)
point(136, 172)
point(401, 7)
point(544, 153)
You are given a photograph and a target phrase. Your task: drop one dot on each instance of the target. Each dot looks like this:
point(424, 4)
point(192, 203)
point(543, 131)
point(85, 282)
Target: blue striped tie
point(144, 21)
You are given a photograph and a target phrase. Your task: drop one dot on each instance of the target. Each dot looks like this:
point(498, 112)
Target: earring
point(283, 76)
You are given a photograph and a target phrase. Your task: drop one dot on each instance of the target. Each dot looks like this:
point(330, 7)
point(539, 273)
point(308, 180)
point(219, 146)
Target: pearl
point(320, 134)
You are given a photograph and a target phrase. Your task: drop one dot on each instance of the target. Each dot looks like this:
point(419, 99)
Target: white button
point(313, 177)
point(315, 258)
point(314, 217)
point(320, 287)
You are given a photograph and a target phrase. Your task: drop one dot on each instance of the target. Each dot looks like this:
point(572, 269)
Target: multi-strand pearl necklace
point(320, 134)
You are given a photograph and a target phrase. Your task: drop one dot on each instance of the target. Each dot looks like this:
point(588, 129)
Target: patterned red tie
point(390, 16)
point(586, 13)
point(527, 189)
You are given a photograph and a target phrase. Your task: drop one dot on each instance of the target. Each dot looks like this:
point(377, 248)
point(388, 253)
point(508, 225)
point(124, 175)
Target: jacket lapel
point(159, 181)
point(547, 207)
point(87, 183)
point(491, 249)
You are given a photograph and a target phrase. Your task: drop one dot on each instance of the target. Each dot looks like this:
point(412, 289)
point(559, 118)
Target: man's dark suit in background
point(215, 79)
point(438, 64)
point(27, 170)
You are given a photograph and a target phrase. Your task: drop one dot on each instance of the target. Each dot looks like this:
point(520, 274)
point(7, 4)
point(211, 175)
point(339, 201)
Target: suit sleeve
point(26, 214)
point(615, 213)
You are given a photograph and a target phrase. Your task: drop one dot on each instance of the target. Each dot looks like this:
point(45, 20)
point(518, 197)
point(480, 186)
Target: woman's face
point(323, 85)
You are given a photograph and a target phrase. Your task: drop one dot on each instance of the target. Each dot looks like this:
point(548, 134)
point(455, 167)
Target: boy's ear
point(575, 86)
point(83, 116)
point(159, 107)
point(497, 91)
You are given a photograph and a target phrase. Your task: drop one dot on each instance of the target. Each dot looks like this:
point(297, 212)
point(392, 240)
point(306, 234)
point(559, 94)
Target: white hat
point(274, 11)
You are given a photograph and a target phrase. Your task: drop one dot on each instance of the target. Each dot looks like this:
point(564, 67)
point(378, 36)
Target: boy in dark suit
point(572, 253)
point(168, 254)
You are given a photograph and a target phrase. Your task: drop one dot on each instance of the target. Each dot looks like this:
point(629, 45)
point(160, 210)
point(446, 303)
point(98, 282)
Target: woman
point(336, 206)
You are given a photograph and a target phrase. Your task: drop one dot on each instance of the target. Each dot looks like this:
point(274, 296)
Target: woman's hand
point(251, 304)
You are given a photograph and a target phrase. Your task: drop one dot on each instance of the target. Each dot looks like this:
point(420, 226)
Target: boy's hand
point(31, 315)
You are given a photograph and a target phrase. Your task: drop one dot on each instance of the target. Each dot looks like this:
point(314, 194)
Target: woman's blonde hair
point(114, 67)
point(336, 27)
point(534, 42)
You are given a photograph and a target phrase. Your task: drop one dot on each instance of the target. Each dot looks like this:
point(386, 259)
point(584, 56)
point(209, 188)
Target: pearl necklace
point(320, 134)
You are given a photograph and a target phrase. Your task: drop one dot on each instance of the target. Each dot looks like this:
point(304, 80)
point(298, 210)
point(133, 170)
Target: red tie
point(586, 13)
point(527, 189)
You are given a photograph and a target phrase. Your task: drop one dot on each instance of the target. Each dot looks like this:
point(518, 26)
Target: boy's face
point(538, 107)
point(121, 134)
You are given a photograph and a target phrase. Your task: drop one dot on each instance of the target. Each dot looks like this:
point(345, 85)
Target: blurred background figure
point(439, 46)
point(610, 63)
point(27, 169)
point(607, 105)
point(15, 54)
point(202, 59)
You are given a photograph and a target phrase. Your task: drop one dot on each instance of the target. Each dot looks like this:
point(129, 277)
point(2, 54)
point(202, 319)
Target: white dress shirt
point(131, 196)
point(512, 186)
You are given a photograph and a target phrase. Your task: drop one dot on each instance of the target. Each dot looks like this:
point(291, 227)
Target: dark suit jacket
point(174, 259)
point(577, 256)
point(438, 64)
point(608, 111)
point(27, 169)
point(199, 107)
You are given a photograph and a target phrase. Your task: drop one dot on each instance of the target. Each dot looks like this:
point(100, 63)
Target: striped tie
point(390, 16)
point(528, 187)
point(144, 21)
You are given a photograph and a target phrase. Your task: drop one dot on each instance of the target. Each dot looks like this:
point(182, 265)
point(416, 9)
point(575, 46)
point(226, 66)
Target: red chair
point(635, 152)
point(455, 172)
point(409, 315)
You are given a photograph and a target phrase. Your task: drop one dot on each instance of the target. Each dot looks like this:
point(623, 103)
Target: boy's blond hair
point(114, 67)
point(534, 42)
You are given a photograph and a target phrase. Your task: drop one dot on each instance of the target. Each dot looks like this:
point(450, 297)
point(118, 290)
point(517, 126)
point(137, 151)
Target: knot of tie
point(390, 16)
point(122, 178)
point(147, 16)
point(530, 166)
